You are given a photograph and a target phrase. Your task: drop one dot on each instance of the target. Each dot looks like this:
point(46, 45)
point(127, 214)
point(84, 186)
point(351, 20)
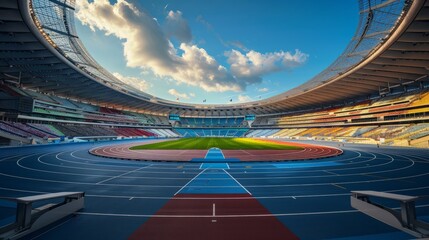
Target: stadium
point(85, 156)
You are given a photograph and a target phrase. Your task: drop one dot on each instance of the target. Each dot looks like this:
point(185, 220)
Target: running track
point(309, 151)
point(304, 199)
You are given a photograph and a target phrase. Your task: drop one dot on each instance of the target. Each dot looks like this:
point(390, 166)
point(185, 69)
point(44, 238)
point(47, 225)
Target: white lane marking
point(215, 149)
point(190, 181)
point(223, 156)
point(326, 171)
point(214, 209)
point(79, 174)
point(338, 186)
point(86, 168)
point(228, 216)
point(176, 186)
point(351, 182)
point(123, 174)
point(227, 166)
point(256, 186)
point(207, 153)
point(359, 154)
point(90, 175)
point(15, 156)
point(223, 198)
point(237, 181)
point(294, 197)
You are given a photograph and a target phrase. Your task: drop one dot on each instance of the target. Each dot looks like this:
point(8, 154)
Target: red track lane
point(308, 152)
point(208, 222)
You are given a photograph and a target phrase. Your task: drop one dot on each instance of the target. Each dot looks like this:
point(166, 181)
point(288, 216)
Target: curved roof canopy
point(40, 48)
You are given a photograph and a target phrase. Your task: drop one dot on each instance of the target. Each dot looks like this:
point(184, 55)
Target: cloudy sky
point(213, 51)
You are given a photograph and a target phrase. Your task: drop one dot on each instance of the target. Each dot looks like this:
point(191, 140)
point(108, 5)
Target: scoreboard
point(174, 117)
point(250, 118)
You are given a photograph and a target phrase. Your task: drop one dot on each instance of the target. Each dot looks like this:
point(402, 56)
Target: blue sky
point(193, 50)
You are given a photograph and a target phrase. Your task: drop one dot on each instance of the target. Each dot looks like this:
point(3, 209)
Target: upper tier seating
point(215, 132)
point(211, 122)
point(407, 105)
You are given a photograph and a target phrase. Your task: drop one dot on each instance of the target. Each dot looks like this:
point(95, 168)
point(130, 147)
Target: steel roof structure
point(39, 48)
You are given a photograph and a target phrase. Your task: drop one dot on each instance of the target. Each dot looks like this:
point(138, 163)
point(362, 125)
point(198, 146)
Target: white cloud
point(244, 98)
point(177, 26)
point(253, 65)
point(177, 94)
point(263, 89)
point(238, 44)
point(137, 83)
point(147, 45)
point(142, 34)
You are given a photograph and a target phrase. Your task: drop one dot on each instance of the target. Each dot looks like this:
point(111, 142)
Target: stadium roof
point(39, 48)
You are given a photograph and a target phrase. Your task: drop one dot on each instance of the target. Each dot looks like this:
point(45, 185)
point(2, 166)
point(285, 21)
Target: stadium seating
point(12, 130)
point(407, 105)
point(27, 130)
point(388, 133)
point(211, 122)
point(396, 119)
point(47, 128)
point(211, 132)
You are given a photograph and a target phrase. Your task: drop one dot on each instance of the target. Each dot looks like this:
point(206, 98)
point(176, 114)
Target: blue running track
point(310, 198)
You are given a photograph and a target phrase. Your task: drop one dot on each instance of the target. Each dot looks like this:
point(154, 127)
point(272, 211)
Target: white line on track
point(123, 174)
point(63, 173)
point(338, 186)
point(214, 209)
point(237, 181)
point(326, 171)
point(268, 197)
point(7, 158)
point(341, 160)
point(207, 153)
point(222, 198)
point(259, 186)
point(258, 172)
point(228, 216)
point(359, 155)
point(190, 181)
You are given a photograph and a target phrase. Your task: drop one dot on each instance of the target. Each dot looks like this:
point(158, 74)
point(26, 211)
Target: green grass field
point(222, 143)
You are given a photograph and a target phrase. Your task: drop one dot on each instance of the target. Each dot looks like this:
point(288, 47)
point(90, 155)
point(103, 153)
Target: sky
point(215, 52)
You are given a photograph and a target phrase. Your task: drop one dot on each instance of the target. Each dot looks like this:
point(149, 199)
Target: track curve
point(311, 198)
point(309, 151)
